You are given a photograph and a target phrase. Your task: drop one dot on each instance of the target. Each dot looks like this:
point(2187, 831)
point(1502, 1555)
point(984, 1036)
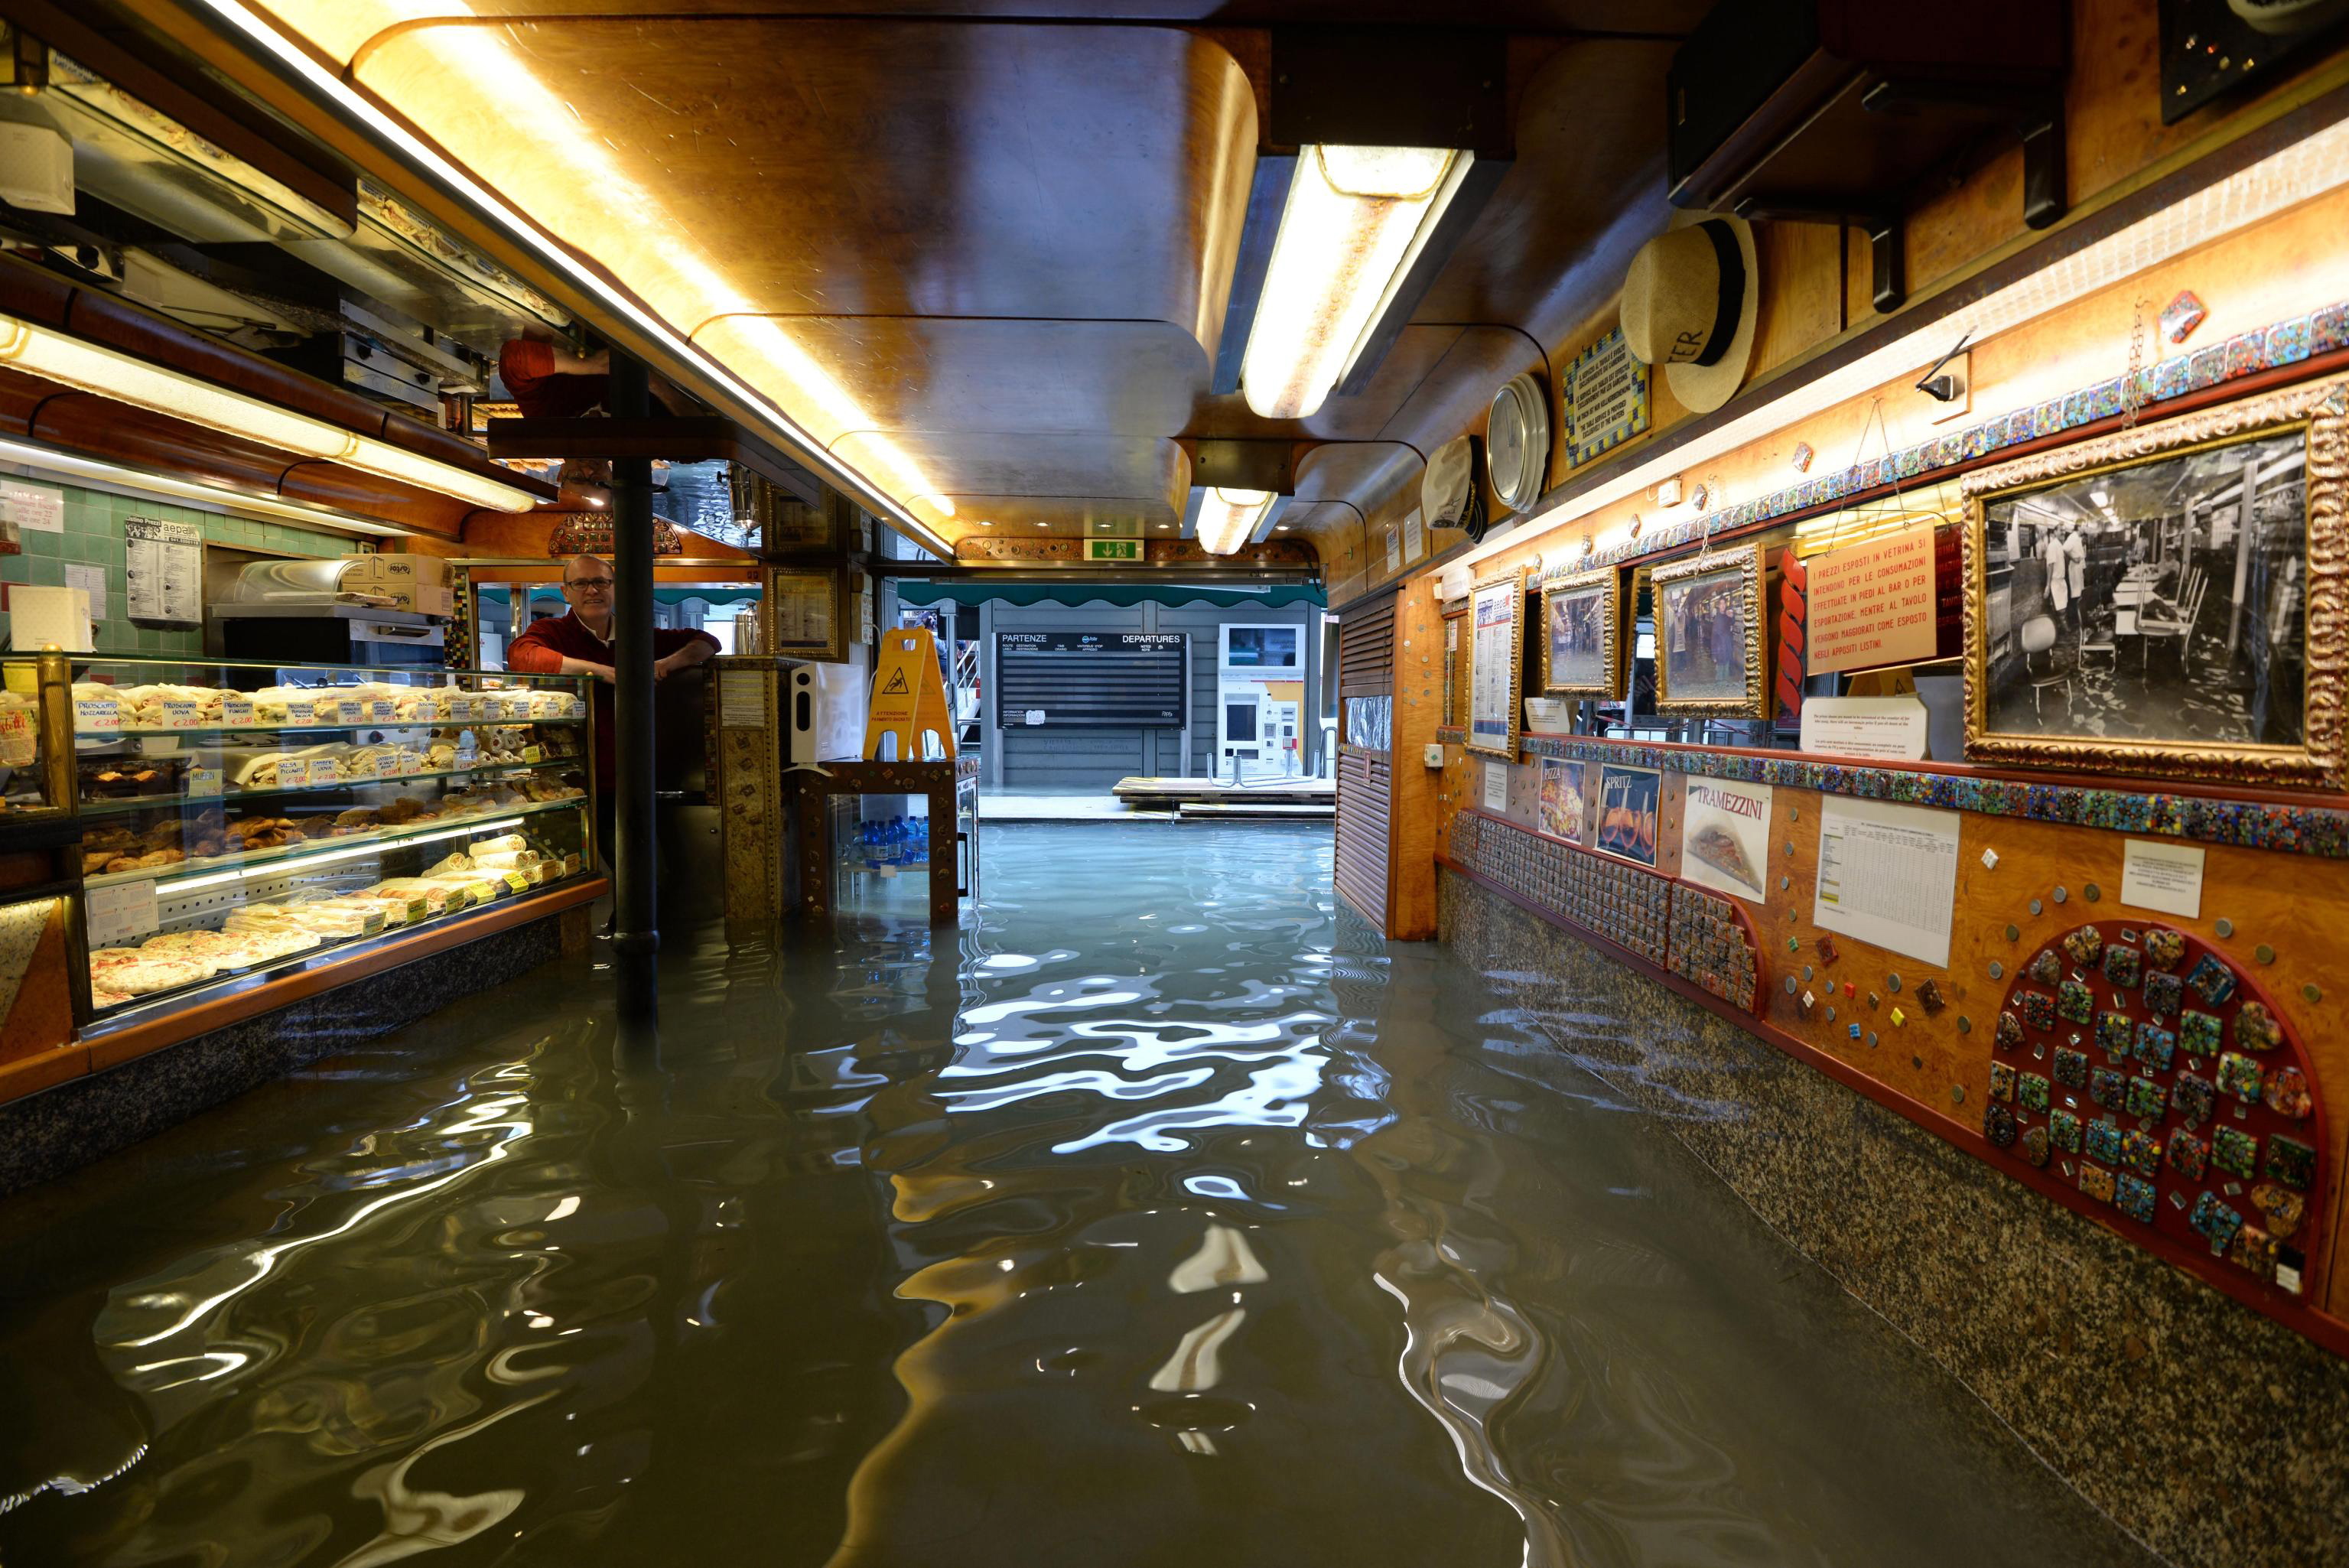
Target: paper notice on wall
point(1547, 715)
point(1872, 605)
point(2164, 877)
point(1725, 836)
point(1888, 875)
point(1496, 786)
point(39, 508)
point(163, 571)
point(1414, 535)
point(1886, 729)
point(90, 580)
point(119, 912)
point(741, 699)
point(1394, 549)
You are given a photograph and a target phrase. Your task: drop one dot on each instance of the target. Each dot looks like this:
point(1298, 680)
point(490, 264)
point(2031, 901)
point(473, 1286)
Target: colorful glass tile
point(2064, 1130)
point(2254, 1250)
point(2256, 1028)
point(2141, 1152)
point(2071, 1066)
point(2239, 1074)
point(2114, 1032)
point(2155, 1047)
point(2235, 1151)
point(2035, 1145)
point(2200, 1033)
point(2083, 945)
point(2286, 1094)
point(2031, 1092)
point(2075, 1002)
point(2187, 1155)
point(2146, 1099)
point(2134, 1196)
point(2193, 1099)
point(2181, 316)
point(2108, 1088)
point(2001, 1081)
point(2164, 949)
point(2280, 1208)
point(2105, 1141)
point(2010, 1031)
point(2214, 1221)
point(2212, 979)
point(1998, 1125)
point(1929, 997)
point(2038, 1008)
point(2123, 966)
point(2097, 1182)
point(2163, 994)
point(2291, 1162)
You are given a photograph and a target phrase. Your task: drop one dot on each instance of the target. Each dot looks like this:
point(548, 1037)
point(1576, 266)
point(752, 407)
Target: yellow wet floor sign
point(908, 697)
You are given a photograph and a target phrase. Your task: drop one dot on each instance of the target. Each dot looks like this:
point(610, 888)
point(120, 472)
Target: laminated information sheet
point(1888, 875)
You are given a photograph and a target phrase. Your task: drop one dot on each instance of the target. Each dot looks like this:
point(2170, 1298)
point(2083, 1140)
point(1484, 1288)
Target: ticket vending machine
point(1259, 702)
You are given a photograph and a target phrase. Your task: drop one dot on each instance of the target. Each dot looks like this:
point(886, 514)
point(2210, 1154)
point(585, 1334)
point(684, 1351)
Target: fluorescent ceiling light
point(1226, 517)
point(1355, 221)
point(45, 461)
point(104, 372)
point(482, 69)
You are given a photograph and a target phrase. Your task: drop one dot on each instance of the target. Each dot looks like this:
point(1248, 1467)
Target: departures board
point(1092, 680)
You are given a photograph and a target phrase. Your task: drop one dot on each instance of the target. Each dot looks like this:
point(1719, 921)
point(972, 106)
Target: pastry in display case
point(26, 791)
point(238, 819)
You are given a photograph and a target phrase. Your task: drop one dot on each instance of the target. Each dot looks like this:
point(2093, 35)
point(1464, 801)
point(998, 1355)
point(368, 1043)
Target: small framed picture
point(2166, 599)
point(1562, 802)
point(1707, 617)
point(1496, 623)
point(1582, 639)
point(1629, 800)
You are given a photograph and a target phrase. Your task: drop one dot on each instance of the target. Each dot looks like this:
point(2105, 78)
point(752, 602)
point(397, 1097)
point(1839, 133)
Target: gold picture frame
point(1496, 633)
point(2158, 599)
point(1565, 593)
point(1718, 584)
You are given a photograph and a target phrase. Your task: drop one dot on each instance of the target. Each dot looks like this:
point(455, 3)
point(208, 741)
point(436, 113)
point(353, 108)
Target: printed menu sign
point(163, 571)
point(1872, 605)
point(1888, 875)
point(1725, 836)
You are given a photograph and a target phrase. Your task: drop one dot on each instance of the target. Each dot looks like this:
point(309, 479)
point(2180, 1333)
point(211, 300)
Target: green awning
point(1272, 596)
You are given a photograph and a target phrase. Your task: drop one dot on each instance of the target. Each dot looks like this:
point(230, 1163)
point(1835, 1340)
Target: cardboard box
point(424, 584)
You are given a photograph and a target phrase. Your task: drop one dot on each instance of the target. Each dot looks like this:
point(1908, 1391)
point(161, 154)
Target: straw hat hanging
point(1689, 305)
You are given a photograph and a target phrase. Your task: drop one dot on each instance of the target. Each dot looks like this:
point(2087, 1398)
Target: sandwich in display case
point(241, 821)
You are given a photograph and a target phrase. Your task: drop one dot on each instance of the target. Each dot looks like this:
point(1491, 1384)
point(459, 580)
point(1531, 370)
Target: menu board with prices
point(163, 571)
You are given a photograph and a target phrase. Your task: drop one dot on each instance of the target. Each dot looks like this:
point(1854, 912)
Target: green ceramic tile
point(47, 571)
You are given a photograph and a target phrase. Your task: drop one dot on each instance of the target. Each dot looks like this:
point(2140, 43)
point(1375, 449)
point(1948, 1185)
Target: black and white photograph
point(2161, 601)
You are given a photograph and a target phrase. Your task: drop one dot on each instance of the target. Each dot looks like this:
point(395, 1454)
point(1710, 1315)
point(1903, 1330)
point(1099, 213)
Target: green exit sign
point(1113, 550)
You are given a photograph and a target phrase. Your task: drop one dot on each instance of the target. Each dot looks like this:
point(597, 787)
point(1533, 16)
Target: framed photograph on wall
point(2166, 599)
point(1709, 634)
point(1496, 628)
point(1582, 637)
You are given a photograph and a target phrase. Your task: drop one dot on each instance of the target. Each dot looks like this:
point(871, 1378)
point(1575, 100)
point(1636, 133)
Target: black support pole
point(636, 940)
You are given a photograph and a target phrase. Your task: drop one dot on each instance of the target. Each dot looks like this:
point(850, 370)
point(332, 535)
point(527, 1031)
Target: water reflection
point(1085, 1234)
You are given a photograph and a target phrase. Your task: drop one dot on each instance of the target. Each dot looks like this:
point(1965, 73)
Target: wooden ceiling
point(986, 261)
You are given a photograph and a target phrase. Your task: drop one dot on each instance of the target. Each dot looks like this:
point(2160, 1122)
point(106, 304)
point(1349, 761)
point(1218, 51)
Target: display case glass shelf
point(214, 851)
point(27, 774)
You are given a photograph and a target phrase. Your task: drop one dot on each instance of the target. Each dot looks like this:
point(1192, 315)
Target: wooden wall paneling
point(1363, 858)
point(1418, 713)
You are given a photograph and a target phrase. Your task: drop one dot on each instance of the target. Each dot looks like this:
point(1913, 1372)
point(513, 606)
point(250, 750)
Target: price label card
point(122, 912)
point(517, 882)
point(462, 705)
point(410, 762)
point(293, 773)
point(534, 754)
point(301, 711)
point(202, 782)
point(416, 910)
point(181, 714)
point(97, 713)
point(380, 710)
point(571, 866)
point(237, 710)
point(324, 770)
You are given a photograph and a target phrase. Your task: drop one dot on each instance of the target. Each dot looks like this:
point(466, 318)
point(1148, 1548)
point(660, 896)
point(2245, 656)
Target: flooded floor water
point(1159, 1216)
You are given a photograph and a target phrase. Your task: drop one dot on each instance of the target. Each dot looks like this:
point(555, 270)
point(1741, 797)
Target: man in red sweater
point(580, 643)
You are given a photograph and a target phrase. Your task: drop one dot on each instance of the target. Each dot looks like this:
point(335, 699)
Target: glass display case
point(29, 791)
point(238, 819)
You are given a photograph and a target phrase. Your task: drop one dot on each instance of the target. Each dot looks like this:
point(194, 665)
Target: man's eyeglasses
point(586, 584)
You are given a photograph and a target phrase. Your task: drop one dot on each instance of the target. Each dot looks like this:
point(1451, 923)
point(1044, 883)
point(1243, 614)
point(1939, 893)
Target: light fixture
point(2101, 497)
point(104, 372)
point(44, 460)
point(1226, 517)
point(338, 27)
point(1354, 222)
